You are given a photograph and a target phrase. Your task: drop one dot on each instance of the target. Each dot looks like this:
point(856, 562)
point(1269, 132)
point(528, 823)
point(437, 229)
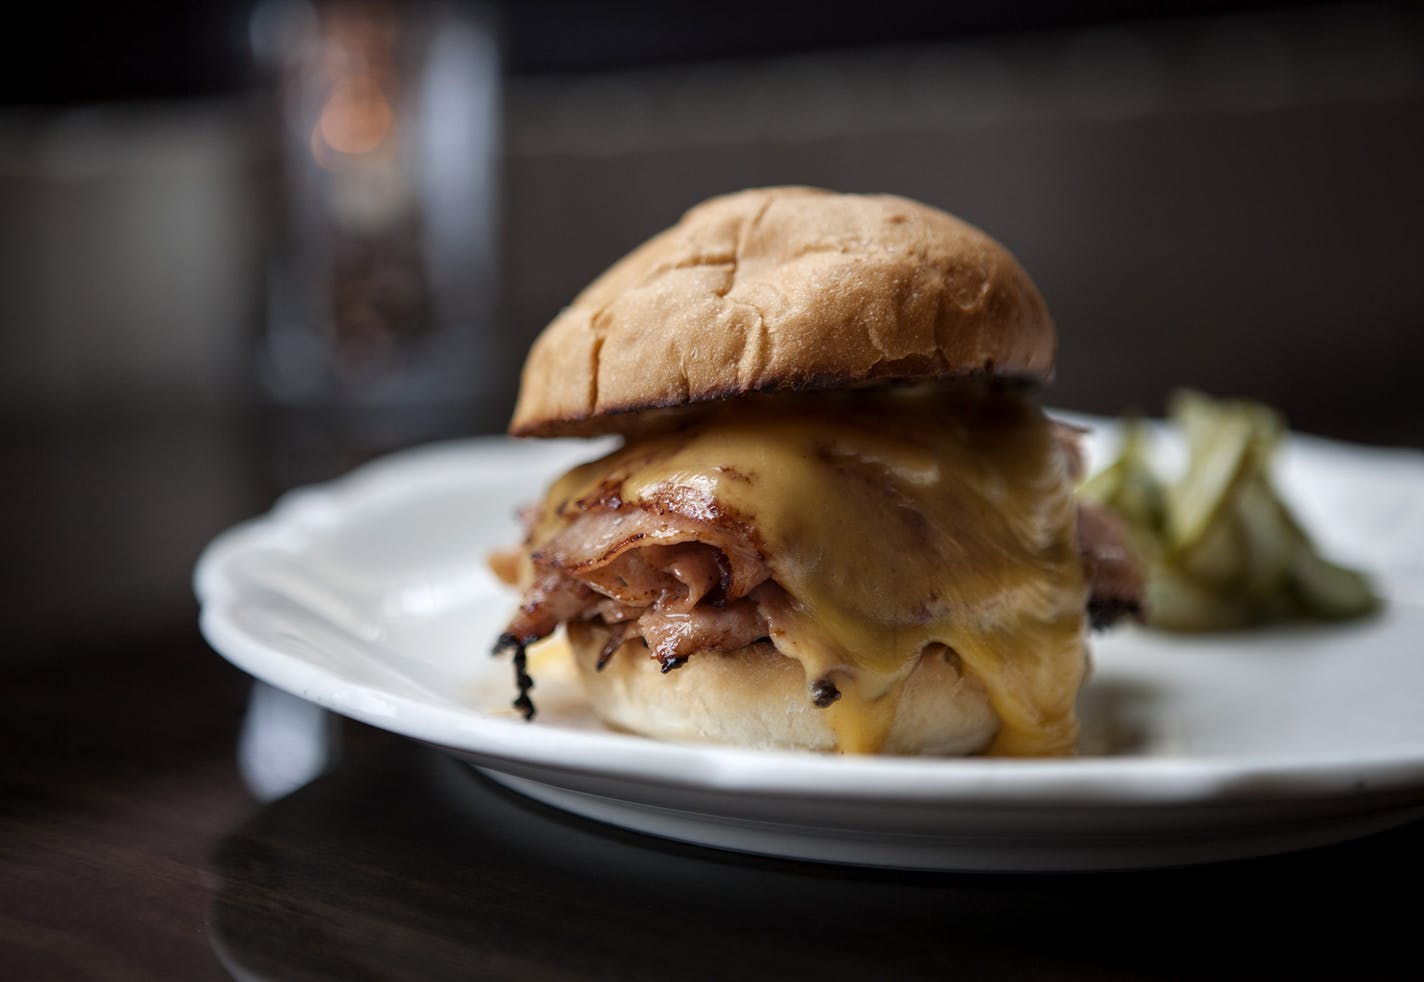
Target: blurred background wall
point(1232, 202)
point(200, 214)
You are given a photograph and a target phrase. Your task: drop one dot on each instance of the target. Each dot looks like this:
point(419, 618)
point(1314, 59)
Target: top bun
point(784, 289)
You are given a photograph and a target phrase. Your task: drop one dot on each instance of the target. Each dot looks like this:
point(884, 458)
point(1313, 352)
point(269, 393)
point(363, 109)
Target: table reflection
point(403, 863)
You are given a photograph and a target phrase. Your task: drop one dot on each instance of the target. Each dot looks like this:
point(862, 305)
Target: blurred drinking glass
point(378, 327)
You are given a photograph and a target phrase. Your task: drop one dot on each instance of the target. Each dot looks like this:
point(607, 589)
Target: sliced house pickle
point(1223, 549)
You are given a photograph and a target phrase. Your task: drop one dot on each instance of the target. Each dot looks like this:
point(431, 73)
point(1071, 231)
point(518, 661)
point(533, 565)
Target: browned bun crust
point(757, 697)
point(784, 289)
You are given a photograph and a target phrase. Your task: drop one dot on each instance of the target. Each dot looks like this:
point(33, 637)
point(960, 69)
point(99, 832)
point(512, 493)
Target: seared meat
point(597, 537)
point(683, 598)
point(679, 583)
point(685, 578)
point(553, 598)
point(674, 635)
point(1117, 578)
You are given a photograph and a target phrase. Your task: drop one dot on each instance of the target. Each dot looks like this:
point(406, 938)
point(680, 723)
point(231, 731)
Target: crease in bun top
point(838, 520)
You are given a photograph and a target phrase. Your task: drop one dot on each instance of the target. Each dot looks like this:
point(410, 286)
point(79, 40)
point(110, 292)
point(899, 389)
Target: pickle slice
point(1228, 442)
point(1177, 602)
point(1269, 538)
point(1327, 589)
point(1223, 550)
point(1128, 485)
point(1323, 588)
point(1199, 499)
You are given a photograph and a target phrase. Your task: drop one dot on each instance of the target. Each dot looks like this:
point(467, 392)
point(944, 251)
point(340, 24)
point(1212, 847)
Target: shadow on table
point(402, 863)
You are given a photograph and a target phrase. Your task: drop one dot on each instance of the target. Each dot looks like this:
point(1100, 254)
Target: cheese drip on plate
point(896, 520)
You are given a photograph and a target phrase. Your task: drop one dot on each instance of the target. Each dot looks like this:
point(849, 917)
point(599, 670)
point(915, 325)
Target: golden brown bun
point(784, 289)
point(756, 697)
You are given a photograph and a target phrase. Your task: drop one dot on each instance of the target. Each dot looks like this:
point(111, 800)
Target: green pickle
point(1223, 550)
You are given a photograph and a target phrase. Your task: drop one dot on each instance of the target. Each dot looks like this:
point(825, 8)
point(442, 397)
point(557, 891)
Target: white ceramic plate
point(370, 596)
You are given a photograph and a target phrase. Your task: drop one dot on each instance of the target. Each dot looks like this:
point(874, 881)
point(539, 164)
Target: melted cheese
point(894, 520)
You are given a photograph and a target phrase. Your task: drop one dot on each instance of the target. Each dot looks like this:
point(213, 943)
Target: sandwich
point(837, 520)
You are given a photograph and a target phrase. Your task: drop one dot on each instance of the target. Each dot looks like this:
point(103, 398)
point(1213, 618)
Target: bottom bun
point(757, 697)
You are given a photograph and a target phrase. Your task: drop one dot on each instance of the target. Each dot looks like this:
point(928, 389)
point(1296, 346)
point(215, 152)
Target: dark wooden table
point(130, 848)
